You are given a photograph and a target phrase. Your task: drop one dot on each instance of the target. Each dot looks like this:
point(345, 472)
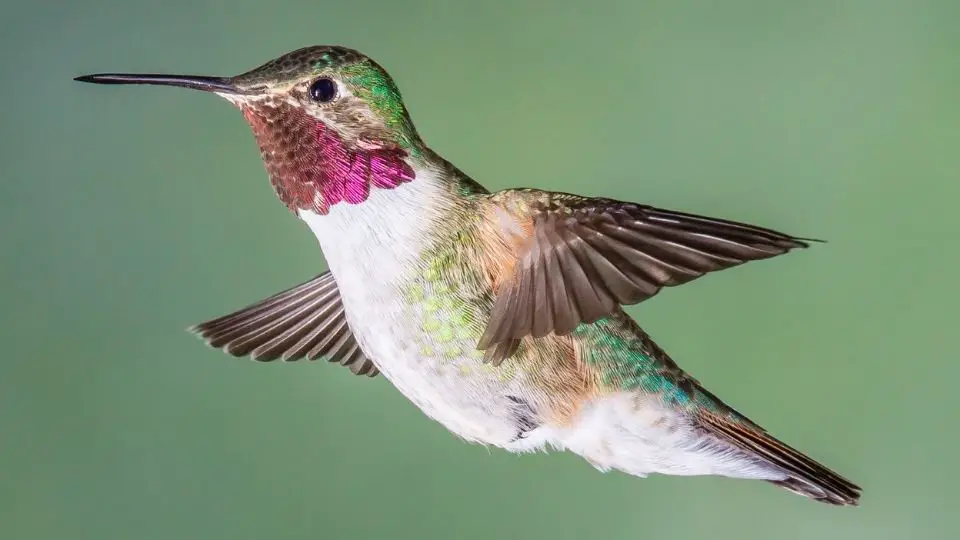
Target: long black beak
point(198, 82)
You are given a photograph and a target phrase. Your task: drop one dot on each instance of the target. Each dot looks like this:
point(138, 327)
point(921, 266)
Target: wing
point(306, 321)
point(579, 258)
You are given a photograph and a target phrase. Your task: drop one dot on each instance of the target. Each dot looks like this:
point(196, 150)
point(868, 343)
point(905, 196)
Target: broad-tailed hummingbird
point(499, 314)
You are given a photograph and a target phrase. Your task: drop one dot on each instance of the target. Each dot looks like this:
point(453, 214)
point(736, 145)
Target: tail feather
point(804, 475)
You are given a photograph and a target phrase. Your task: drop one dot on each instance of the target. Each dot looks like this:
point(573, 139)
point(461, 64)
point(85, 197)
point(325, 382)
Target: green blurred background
point(130, 213)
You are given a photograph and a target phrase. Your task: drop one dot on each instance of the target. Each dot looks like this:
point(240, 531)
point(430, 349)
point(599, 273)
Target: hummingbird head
point(329, 121)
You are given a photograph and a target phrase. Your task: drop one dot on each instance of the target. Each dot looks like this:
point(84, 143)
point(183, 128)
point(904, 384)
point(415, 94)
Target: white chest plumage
point(373, 250)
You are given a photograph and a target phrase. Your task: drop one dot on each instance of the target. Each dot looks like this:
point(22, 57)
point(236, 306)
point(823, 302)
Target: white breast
point(373, 249)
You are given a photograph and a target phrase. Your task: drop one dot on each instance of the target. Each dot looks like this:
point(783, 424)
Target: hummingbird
point(499, 314)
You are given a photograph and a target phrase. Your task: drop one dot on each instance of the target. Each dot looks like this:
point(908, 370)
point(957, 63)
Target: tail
point(804, 476)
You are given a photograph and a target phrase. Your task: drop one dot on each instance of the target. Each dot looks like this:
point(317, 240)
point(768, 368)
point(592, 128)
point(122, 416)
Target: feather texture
point(804, 476)
point(586, 256)
point(305, 321)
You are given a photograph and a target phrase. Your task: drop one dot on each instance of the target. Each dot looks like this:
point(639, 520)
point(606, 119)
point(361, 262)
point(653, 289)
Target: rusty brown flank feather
point(556, 365)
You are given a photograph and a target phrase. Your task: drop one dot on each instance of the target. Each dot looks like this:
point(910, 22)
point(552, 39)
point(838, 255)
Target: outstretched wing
point(306, 321)
point(580, 258)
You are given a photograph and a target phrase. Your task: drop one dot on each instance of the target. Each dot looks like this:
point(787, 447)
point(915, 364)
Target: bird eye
point(323, 90)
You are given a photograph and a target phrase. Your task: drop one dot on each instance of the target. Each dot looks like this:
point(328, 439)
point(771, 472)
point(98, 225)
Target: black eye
point(323, 90)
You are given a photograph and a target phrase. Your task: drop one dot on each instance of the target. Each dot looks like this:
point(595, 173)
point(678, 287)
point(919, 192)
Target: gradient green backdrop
point(128, 214)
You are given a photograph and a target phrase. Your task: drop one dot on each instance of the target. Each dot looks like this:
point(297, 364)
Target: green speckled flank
point(450, 297)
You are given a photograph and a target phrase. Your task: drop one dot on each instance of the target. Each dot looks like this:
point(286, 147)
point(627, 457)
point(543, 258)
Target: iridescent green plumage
point(373, 85)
